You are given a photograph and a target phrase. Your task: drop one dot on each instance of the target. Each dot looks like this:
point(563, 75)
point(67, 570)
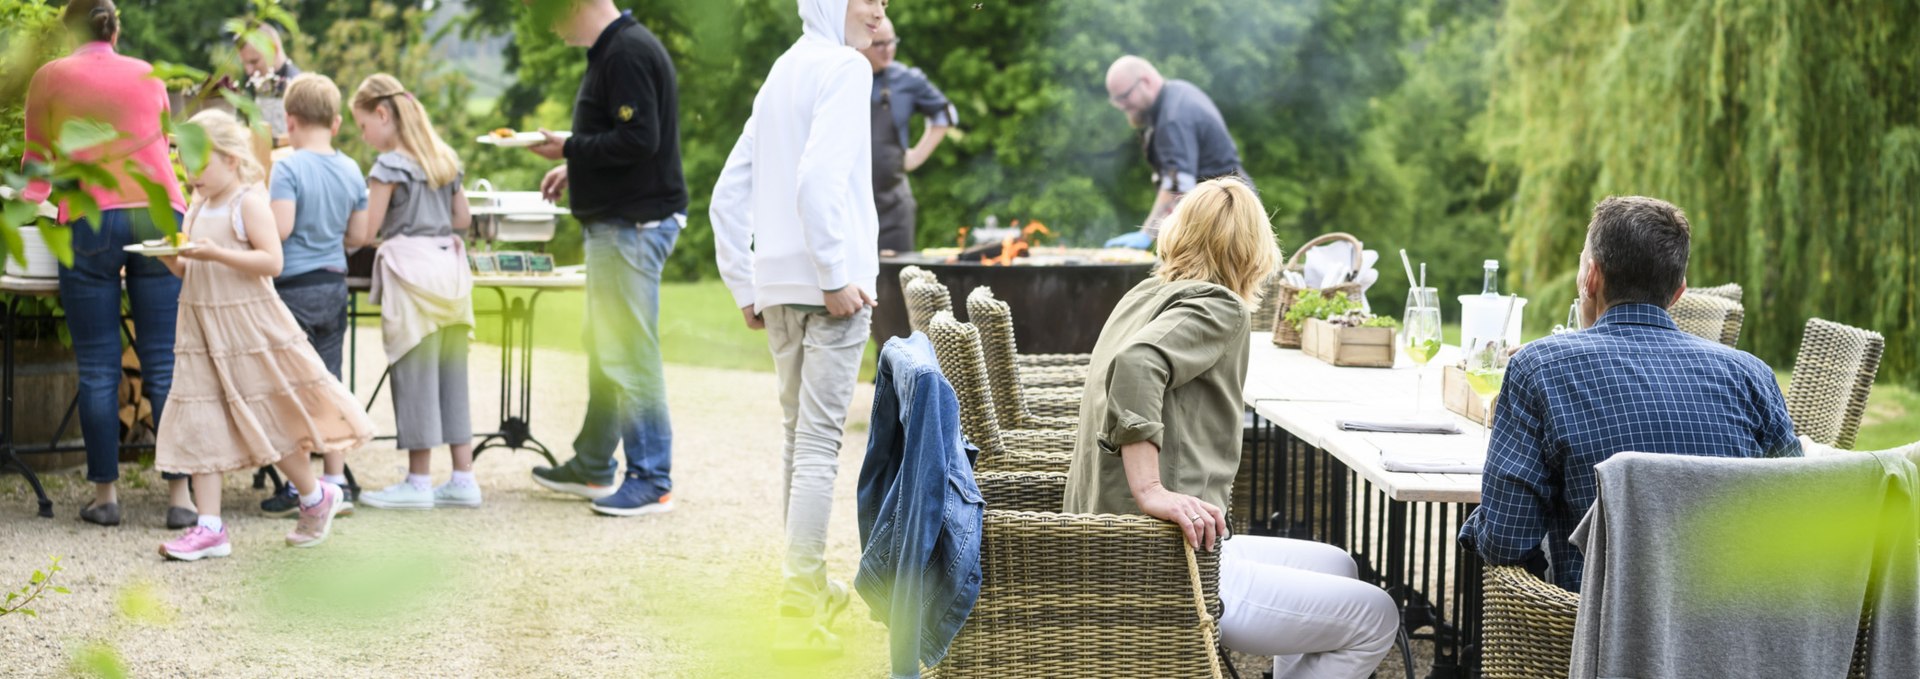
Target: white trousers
point(1301, 603)
point(817, 358)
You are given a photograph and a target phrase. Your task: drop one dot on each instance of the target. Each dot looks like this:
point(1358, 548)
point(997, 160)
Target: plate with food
point(162, 247)
point(508, 138)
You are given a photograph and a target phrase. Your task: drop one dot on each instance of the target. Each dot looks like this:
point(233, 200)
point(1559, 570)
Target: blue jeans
point(90, 292)
point(626, 384)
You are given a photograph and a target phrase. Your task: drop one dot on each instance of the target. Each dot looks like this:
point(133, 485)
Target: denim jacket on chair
point(920, 511)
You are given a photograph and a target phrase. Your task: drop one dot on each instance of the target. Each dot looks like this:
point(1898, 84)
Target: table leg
point(516, 421)
point(9, 443)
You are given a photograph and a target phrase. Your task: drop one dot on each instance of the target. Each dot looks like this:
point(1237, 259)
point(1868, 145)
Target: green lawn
point(699, 326)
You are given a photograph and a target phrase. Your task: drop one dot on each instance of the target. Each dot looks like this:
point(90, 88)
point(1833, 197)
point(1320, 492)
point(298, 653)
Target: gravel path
point(532, 584)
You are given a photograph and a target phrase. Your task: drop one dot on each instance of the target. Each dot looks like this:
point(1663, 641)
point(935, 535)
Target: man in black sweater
point(623, 173)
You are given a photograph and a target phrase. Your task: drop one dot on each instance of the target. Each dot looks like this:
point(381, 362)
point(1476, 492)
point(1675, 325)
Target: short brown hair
point(314, 99)
point(1640, 245)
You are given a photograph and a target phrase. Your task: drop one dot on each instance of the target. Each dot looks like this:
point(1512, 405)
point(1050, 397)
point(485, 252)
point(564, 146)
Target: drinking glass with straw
point(1420, 329)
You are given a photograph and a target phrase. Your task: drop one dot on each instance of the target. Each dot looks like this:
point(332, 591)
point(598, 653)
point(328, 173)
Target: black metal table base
point(1407, 548)
point(516, 377)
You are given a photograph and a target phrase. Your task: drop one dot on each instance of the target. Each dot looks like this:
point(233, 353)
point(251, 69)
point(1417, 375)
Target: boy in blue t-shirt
point(317, 193)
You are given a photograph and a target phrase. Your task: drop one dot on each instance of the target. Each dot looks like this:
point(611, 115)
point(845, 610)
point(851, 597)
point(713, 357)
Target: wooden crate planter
point(1347, 347)
point(1459, 397)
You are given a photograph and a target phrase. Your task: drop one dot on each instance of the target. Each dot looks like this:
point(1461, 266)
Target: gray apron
point(892, 197)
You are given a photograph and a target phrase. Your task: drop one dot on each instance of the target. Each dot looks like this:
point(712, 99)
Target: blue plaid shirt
point(1632, 382)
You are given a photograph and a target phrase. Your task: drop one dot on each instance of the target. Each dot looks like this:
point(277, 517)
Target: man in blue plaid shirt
point(1631, 381)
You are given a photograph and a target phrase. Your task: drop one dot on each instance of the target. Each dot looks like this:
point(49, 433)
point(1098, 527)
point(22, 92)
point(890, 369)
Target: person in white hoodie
point(794, 227)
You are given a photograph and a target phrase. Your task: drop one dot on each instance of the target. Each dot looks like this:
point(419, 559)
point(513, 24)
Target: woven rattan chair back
point(1023, 491)
point(1709, 317)
point(1526, 626)
point(1269, 297)
point(911, 273)
point(1730, 292)
point(925, 297)
point(1832, 378)
point(1086, 595)
point(995, 321)
point(957, 346)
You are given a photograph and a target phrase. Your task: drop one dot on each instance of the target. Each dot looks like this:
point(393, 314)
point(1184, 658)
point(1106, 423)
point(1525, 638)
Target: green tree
point(1785, 128)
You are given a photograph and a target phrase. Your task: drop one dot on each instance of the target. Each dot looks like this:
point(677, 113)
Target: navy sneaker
point(636, 497)
point(564, 479)
point(284, 503)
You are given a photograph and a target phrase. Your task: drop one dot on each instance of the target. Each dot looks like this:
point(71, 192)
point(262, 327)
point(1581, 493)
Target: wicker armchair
point(1010, 401)
point(1730, 292)
point(957, 346)
point(1085, 595)
point(1526, 626)
point(925, 297)
point(1269, 303)
point(1710, 317)
point(1832, 377)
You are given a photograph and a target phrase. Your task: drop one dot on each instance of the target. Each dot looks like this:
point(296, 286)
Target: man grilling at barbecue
point(1184, 137)
point(899, 91)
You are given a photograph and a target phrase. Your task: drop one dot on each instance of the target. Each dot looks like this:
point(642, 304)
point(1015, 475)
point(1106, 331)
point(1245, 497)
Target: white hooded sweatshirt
point(793, 212)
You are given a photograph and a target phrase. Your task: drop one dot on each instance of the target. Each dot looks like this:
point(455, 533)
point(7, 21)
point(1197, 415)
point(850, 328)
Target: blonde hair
point(229, 138)
point(1219, 233)
point(314, 99)
point(417, 138)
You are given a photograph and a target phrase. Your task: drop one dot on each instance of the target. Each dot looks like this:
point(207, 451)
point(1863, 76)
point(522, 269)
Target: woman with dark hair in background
point(95, 83)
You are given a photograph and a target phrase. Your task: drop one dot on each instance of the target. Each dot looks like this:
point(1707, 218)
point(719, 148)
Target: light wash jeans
point(626, 385)
point(817, 358)
point(1300, 602)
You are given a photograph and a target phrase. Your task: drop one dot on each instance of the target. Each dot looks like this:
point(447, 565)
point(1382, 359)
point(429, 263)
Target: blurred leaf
point(81, 204)
point(248, 110)
point(140, 602)
point(59, 239)
point(166, 71)
point(38, 577)
point(16, 247)
point(195, 148)
point(100, 660)
point(29, 612)
point(81, 134)
point(62, 590)
point(159, 204)
point(20, 212)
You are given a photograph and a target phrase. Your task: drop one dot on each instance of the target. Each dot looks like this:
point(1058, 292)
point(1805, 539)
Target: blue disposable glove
point(1138, 240)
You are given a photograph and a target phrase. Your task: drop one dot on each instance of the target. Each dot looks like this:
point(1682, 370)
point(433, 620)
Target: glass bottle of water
point(1490, 285)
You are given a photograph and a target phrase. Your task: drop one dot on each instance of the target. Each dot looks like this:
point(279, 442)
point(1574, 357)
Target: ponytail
point(415, 131)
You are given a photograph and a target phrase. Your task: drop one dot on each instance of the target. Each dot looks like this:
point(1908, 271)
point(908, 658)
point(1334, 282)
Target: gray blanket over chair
point(1721, 567)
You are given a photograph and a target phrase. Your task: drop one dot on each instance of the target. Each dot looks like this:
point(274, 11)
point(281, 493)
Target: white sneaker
point(401, 495)
point(449, 495)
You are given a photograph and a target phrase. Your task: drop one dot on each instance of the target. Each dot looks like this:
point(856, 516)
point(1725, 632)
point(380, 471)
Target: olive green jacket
point(1169, 368)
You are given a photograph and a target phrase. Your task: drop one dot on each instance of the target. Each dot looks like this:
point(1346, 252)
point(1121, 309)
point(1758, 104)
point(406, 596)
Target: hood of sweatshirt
point(825, 19)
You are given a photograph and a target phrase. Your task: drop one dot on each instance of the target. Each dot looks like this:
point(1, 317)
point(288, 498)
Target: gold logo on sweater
point(626, 113)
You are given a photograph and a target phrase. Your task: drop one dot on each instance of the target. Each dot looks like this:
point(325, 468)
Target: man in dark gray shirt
point(1185, 139)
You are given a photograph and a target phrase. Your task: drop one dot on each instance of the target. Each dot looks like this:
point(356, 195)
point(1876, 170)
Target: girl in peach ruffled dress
point(248, 390)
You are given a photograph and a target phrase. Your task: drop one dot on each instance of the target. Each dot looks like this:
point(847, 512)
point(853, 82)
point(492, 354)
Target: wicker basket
point(1284, 335)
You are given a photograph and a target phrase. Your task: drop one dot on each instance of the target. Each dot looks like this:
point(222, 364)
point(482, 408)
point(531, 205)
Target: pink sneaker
point(317, 520)
point(198, 543)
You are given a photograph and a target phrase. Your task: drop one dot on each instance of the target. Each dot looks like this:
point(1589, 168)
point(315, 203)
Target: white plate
point(519, 140)
point(151, 251)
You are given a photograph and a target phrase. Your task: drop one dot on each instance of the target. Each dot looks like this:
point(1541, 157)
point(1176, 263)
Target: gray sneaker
point(449, 495)
point(102, 514)
point(181, 517)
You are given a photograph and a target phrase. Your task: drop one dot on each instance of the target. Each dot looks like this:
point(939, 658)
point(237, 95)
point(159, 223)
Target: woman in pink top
point(95, 83)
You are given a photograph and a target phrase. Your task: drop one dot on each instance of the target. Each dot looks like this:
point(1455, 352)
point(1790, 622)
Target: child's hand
point(202, 249)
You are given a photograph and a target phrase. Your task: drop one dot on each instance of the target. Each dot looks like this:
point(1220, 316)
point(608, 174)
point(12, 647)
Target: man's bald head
point(1133, 85)
point(885, 45)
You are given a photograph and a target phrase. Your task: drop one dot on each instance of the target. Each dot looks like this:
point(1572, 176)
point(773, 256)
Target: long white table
point(1312, 480)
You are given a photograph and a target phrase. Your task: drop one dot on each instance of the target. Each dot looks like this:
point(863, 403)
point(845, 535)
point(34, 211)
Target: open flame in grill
point(1004, 252)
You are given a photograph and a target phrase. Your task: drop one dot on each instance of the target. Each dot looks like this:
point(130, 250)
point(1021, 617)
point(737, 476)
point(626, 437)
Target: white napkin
point(1431, 454)
point(1408, 424)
